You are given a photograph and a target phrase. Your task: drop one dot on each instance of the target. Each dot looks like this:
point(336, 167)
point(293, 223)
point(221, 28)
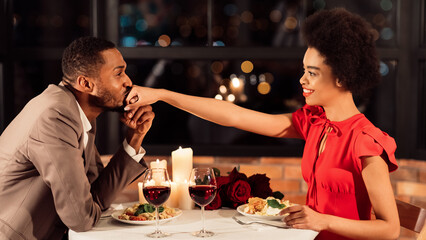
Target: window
point(248, 52)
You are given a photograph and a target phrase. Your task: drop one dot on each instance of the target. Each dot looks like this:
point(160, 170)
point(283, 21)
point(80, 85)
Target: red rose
point(238, 192)
point(235, 175)
point(220, 181)
point(260, 187)
point(217, 201)
point(215, 204)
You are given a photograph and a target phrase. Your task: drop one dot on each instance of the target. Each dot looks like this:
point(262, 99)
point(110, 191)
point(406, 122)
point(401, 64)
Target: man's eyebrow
point(313, 67)
point(118, 67)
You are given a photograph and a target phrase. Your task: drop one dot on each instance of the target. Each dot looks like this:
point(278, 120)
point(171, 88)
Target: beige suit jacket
point(45, 183)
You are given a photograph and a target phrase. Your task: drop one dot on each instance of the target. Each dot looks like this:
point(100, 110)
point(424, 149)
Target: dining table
point(219, 221)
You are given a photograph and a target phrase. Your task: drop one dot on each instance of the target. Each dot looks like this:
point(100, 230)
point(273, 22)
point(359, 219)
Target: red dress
point(335, 184)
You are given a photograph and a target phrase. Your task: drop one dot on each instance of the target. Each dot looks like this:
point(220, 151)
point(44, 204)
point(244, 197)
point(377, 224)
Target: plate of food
point(141, 214)
point(265, 209)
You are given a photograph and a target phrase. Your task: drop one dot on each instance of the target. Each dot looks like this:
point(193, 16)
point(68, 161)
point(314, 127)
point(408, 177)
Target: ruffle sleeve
point(371, 141)
point(302, 118)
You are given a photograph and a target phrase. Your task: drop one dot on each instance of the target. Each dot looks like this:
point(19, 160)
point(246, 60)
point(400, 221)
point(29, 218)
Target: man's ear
point(339, 83)
point(85, 84)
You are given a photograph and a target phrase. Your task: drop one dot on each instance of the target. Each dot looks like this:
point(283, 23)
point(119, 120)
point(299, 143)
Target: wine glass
point(156, 190)
point(202, 189)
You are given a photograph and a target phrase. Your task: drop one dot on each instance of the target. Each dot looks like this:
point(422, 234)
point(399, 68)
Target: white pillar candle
point(185, 201)
point(173, 200)
point(142, 199)
point(157, 176)
point(159, 164)
point(181, 169)
point(181, 164)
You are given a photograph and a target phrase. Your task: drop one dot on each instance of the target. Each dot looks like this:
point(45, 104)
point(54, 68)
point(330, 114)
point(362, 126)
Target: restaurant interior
point(248, 52)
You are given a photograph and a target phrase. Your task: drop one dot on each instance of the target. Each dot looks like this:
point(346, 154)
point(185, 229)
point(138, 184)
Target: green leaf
point(278, 195)
point(275, 204)
point(149, 208)
point(139, 211)
point(160, 209)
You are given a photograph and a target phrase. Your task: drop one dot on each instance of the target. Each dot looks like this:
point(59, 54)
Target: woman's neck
point(341, 109)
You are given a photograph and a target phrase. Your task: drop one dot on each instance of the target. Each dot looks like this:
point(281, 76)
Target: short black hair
point(347, 43)
point(82, 57)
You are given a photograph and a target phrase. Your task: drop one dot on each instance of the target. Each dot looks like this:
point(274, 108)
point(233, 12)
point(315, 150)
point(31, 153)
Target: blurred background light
point(264, 88)
point(275, 16)
point(128, 41)
point(386, 5)
point(386, 33)
point(384, 69)
point(247, 66)
point(164, 40)
point(230, 9)
point(216, 67)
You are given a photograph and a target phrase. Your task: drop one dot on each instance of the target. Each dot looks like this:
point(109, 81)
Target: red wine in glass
point(202, 188)
point(202, 194)
point(156, 189)
point(156, 195)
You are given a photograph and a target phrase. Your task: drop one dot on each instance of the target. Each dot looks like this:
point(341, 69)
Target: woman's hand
point(303, 217)
point(140, 96)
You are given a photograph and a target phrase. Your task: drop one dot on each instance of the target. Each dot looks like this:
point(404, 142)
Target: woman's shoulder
point(309, 111)
point(371, 141)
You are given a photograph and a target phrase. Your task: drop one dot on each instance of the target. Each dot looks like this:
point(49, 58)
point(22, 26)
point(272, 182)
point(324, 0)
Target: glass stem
point(157, 217)
point(202, 218)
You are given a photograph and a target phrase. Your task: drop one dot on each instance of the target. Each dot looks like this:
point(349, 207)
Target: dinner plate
point(117, 213)
point(240, 209)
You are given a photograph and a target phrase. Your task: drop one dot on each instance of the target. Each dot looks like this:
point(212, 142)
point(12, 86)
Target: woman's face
point(320, 86)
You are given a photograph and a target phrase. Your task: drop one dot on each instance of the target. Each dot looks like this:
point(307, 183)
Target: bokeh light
point(386, 33)
point(223, 89)
point(230, 9)
point(275, 16)
point(384, 69)
point(247, 17)
point(386, 5)
point(290, 23)
point(236, 82)
point(141, 25)
point(218, 97)
point(217, 67)
point(264, 88)
point(247, 66)
point(231, 98)
point(128, 41)
point(164, 40)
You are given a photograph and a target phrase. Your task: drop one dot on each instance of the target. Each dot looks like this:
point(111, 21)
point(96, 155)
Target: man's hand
point(139, 124)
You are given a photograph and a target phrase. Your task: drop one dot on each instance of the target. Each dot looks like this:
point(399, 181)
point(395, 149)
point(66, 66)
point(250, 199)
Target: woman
point(346, 160)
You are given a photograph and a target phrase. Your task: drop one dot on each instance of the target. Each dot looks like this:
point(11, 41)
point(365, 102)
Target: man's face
point(112, 85)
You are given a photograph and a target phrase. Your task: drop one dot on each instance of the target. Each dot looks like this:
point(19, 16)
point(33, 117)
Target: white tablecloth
point(219, 221)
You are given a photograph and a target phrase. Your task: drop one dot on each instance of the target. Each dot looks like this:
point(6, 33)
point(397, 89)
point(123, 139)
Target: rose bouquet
point(236, 188)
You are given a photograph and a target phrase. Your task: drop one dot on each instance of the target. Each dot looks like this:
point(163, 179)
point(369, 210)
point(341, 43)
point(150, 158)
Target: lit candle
point(181, 168)
point(156, 175)
point(142, 199)
point(159, 164)
point(185, 201)
point(173, 200)
point(181, 164)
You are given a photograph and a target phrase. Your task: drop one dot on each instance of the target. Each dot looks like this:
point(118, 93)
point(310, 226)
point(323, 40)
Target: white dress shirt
point(137, 156)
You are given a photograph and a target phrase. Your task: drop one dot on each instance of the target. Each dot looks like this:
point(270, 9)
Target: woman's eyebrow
point(313, 67)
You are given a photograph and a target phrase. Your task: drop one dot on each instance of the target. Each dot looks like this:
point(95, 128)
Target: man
point(51, 176)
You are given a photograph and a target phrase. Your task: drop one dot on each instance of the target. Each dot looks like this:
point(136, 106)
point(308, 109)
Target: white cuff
point(132, 152)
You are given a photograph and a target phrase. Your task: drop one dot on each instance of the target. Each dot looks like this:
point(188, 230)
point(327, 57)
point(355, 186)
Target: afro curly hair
point(82, 57)
point(347, 43)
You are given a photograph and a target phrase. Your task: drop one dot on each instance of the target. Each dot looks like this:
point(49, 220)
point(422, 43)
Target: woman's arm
point(385, 226)
point(217, 111)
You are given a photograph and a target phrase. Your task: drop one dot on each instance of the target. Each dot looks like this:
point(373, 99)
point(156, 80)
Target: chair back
point(411, 216)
